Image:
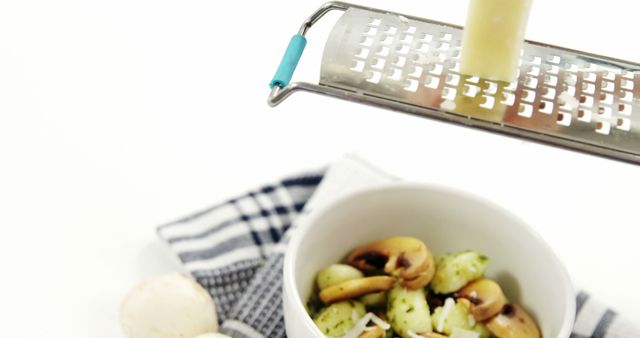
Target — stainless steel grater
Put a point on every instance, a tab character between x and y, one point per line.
562	97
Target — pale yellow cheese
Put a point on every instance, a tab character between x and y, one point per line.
493	38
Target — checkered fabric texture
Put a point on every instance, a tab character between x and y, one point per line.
236	251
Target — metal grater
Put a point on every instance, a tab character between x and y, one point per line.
562	97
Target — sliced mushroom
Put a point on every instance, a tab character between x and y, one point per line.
486	298
355	288
513	322
405	257
372	332
464	302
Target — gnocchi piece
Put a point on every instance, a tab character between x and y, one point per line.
374	300
337	319
453	271
454	315
337	273
408	311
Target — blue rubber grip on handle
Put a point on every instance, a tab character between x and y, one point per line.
289	61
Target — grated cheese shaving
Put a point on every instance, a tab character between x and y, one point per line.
354	315
448	105
568	99
381	323
361	325
448	305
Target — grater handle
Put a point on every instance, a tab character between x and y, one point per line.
292	55
289	61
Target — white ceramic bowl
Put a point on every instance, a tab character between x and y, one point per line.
446	220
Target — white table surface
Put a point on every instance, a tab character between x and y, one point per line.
117	116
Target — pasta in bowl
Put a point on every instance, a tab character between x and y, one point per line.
394	287
394	261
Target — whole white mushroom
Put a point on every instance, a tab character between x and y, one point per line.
169	306
213	335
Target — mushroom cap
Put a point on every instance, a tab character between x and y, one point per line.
513	322
355	288
485	297
169	306
404	257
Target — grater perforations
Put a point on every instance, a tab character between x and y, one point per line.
419	63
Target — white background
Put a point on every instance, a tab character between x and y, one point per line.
117	116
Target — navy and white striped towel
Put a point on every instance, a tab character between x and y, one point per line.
235	250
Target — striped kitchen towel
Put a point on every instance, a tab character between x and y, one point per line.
236	249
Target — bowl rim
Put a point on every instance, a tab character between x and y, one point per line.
290	290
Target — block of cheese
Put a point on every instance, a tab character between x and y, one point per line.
493	38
